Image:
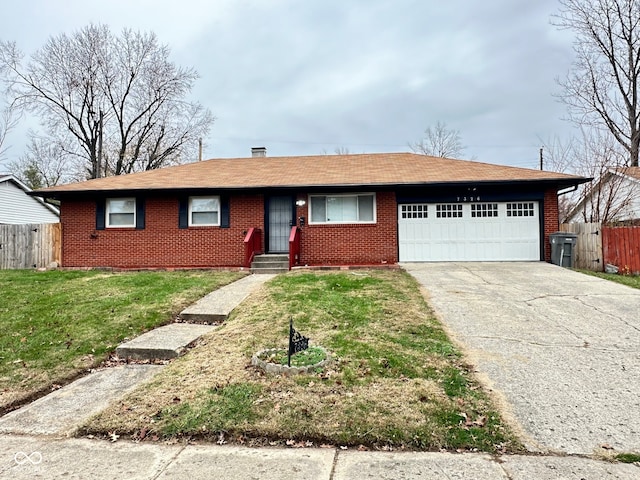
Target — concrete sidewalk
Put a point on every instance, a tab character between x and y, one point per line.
25	458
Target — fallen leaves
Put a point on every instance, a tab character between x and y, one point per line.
468	423
140	435
299	444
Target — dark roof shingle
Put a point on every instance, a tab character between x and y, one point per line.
378	169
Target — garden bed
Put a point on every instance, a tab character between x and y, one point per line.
275	361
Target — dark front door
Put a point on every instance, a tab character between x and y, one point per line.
279	222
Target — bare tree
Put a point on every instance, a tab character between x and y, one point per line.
440	141
342	150
116	102
46	163
559	154
594	154
601	89
7	122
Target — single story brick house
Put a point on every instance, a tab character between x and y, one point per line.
366	209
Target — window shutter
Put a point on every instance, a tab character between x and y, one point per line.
140	213
100	214
224	212
183	213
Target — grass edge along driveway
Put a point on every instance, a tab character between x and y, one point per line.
397	381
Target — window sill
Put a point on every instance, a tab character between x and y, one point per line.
340	224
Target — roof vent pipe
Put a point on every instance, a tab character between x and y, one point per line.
258	151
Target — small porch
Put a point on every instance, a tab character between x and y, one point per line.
260	262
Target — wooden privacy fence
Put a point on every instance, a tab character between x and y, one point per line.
588	245
621	247
30	245
597	246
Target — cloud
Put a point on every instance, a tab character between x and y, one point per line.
303	77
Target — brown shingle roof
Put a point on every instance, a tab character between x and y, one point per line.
633	172
383	169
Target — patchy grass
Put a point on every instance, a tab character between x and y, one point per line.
56	324
396	380
217	410
628	280
628	457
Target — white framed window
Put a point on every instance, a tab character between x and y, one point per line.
121	212
481	210
449	210
524	209
350	208
204	211
415	210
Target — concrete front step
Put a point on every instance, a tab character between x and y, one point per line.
271	271
270	263
271	257
284	264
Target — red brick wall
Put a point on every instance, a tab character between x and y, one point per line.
161	243
353	244
551	220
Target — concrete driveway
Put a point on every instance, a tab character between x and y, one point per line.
559	348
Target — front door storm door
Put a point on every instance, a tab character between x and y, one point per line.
279	222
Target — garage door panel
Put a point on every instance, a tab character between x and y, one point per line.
484	232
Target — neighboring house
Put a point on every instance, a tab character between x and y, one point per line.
614	197
16	207
348	209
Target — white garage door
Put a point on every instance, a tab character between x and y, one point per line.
492	231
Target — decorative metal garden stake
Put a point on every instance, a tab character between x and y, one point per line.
297	342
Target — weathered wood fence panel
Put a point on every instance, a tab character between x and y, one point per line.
621	247
30	245
588	245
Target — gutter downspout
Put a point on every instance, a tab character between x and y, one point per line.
567	190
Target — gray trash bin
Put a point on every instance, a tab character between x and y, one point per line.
563	248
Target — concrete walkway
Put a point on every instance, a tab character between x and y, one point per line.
217	306
170	341
561	348
25	458
64	410
163	343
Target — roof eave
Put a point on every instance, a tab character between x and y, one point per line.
559	183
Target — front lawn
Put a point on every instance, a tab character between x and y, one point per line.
57	324
396	381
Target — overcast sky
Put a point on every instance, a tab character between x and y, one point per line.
306	76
